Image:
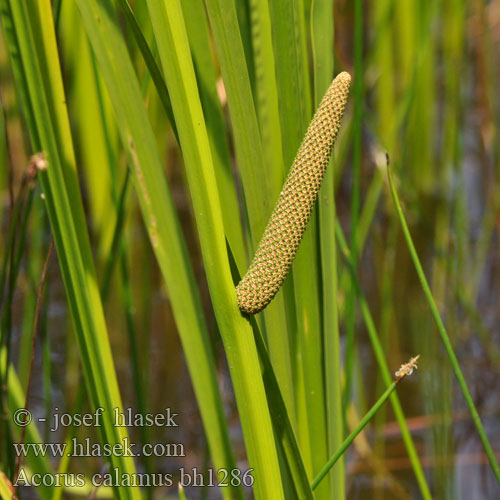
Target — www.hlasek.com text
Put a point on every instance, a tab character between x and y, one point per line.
86	448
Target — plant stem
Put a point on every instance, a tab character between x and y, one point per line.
443	333
349	439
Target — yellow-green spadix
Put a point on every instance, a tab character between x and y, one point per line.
284	231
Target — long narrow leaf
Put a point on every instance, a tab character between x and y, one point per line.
322	41
37	45
443	333
199	40
161	220
248	147
16	400
383	366
235	330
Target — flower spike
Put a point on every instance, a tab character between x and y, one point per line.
285	229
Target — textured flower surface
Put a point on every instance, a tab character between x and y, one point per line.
288	222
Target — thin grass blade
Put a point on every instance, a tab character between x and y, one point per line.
443	333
